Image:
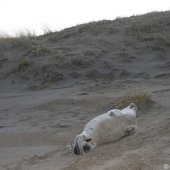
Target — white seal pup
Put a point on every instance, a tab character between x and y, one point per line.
105	128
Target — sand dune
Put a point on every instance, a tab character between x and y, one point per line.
52	85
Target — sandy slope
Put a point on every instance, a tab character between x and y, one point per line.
36	127
52	85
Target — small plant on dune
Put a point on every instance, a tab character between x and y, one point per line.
77	62
137	96
38	51
80	62
23	65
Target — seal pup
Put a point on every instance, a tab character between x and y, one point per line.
105	128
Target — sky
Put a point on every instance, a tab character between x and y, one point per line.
39	15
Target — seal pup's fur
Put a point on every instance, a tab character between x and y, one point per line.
106	128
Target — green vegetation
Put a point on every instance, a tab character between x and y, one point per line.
23	65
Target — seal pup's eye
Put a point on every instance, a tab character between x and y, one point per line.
131	107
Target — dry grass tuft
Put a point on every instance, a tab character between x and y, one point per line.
38	51
23	65
137	96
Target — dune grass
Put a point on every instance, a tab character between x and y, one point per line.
38	51
154	30
137	96
151	33
23	65
21	39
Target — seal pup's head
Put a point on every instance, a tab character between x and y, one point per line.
132	106
82	145
86	148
